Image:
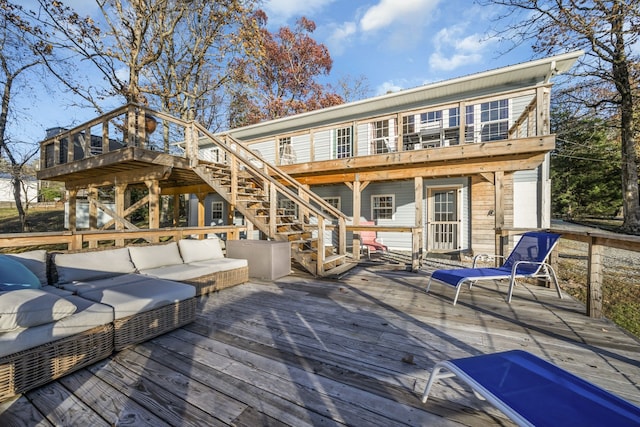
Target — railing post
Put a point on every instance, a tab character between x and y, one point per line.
342	236
594	279
415	248
233	165
273	209
320	248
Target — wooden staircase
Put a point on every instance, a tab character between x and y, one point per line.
277	205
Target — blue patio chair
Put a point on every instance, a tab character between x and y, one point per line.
527	260
534	392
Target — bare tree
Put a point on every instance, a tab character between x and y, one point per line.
21	51
607	31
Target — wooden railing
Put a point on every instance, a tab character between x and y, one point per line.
94	238
598	243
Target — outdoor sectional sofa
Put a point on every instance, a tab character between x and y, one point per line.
92	303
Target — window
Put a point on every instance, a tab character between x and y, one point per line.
494	116
380	140
431	117
382	207
408	124
287	207
287	155
333	201
217	212
454	121
344	145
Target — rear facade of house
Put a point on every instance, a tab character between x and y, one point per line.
461	159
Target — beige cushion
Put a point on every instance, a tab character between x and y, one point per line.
25	308
200	250
139	297
88	315
36	261
84	266
153	256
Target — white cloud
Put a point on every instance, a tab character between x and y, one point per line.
454	49
279	11
388	12
341	37
388	87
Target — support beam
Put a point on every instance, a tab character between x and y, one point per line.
357	206
417	240
154	203
73	206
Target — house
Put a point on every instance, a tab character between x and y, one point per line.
462	159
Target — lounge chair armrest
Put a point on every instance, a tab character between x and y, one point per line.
517	264
485	257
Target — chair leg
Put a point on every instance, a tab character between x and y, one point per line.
552	273
435	375
512	284
428	285
455	299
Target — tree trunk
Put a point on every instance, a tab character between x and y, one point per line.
621	76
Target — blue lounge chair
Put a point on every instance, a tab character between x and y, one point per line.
527	260
534	392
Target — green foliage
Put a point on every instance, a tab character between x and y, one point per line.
585	168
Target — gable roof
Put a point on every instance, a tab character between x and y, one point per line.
526	74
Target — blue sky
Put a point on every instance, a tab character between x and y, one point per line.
395	44
398	44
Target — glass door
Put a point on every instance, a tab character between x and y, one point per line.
444	220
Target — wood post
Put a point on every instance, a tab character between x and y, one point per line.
594	279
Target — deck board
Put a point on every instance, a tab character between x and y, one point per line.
302	351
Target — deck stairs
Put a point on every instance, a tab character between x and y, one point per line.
276	204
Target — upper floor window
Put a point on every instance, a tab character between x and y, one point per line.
454	121
408	124
380	140
285	149
494	116
344	143
431	117
382	206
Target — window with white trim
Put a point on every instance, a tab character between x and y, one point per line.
288	207
287	154
382	206
380	137
333	201
217	212
494	117
344	143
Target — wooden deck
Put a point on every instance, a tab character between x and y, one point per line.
357	351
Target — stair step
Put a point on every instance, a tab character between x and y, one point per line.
336	272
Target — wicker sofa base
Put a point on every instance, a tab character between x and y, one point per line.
25	370
219	280
143	326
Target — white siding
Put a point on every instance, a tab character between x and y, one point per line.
323	147
525	199
266	150
301	145
363	139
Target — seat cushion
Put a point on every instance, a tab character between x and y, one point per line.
88	315
108	282
200	250
36	261
179	272
223	264
92	265
25	308
153	256
14	275
133	298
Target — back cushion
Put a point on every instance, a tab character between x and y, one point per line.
153	256
200	250
84	266
36	261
